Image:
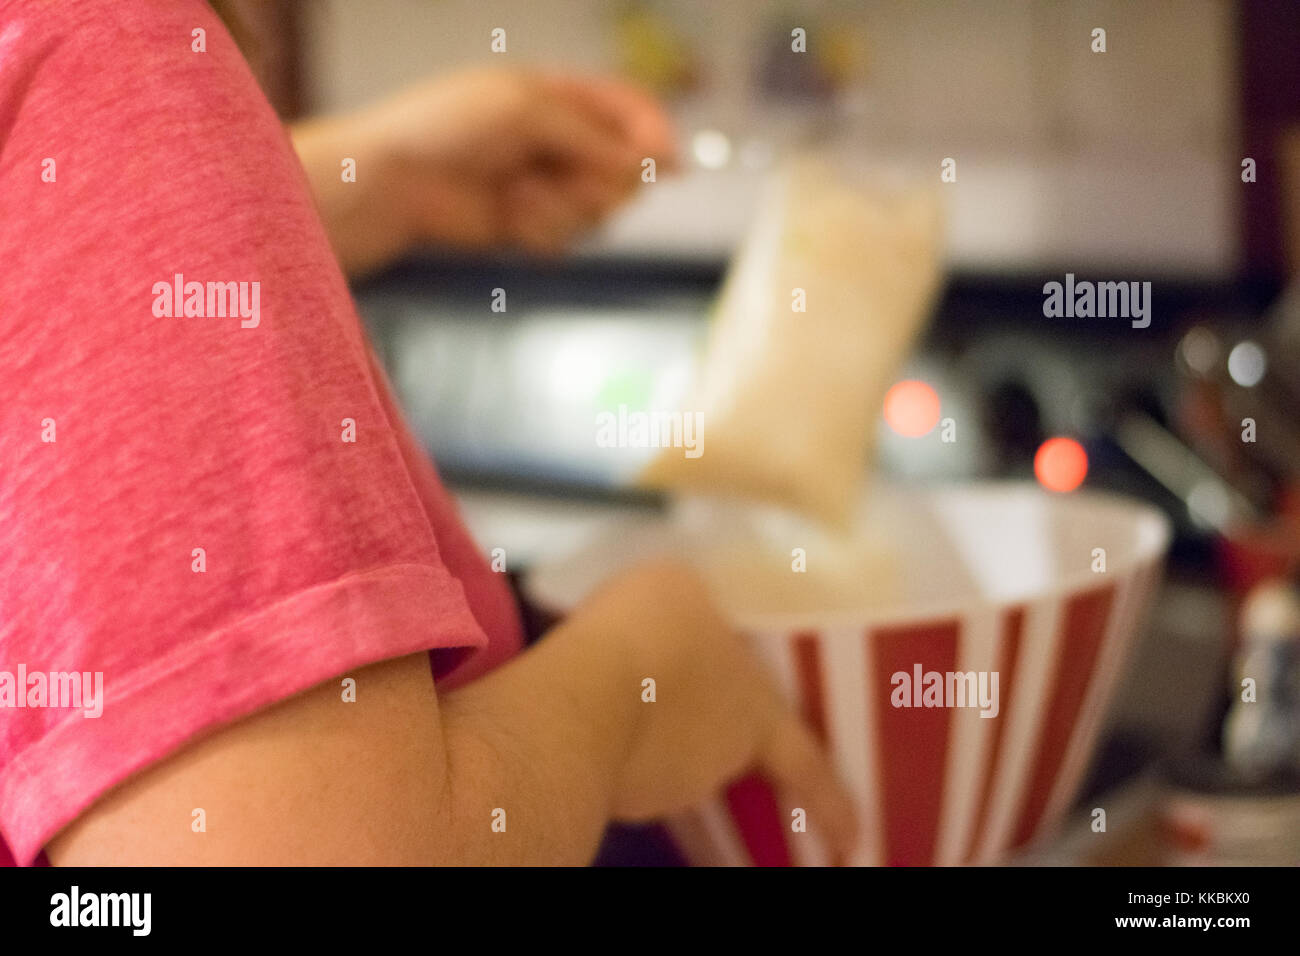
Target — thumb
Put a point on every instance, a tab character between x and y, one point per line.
793	759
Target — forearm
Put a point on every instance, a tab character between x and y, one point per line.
398	777
543	740
548	747
361	210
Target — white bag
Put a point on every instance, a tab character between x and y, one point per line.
789	400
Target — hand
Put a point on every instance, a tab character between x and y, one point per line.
483	159
717	714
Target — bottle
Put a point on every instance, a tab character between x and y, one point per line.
1261	735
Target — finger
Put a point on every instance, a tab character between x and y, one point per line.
572	138
635	113
592	195
794	761
540	219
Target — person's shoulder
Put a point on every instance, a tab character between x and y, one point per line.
136	145
93	20
112	50
131	95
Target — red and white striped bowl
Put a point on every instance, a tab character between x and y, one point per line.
993	578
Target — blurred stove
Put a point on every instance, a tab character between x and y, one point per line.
503	367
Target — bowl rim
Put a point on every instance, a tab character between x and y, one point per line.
1154	532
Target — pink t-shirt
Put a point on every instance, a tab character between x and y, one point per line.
207	494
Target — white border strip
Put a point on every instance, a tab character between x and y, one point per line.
1131	592
1039	643
970	740
849	689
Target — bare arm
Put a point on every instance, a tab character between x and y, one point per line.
558	738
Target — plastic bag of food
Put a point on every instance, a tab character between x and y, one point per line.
817	313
